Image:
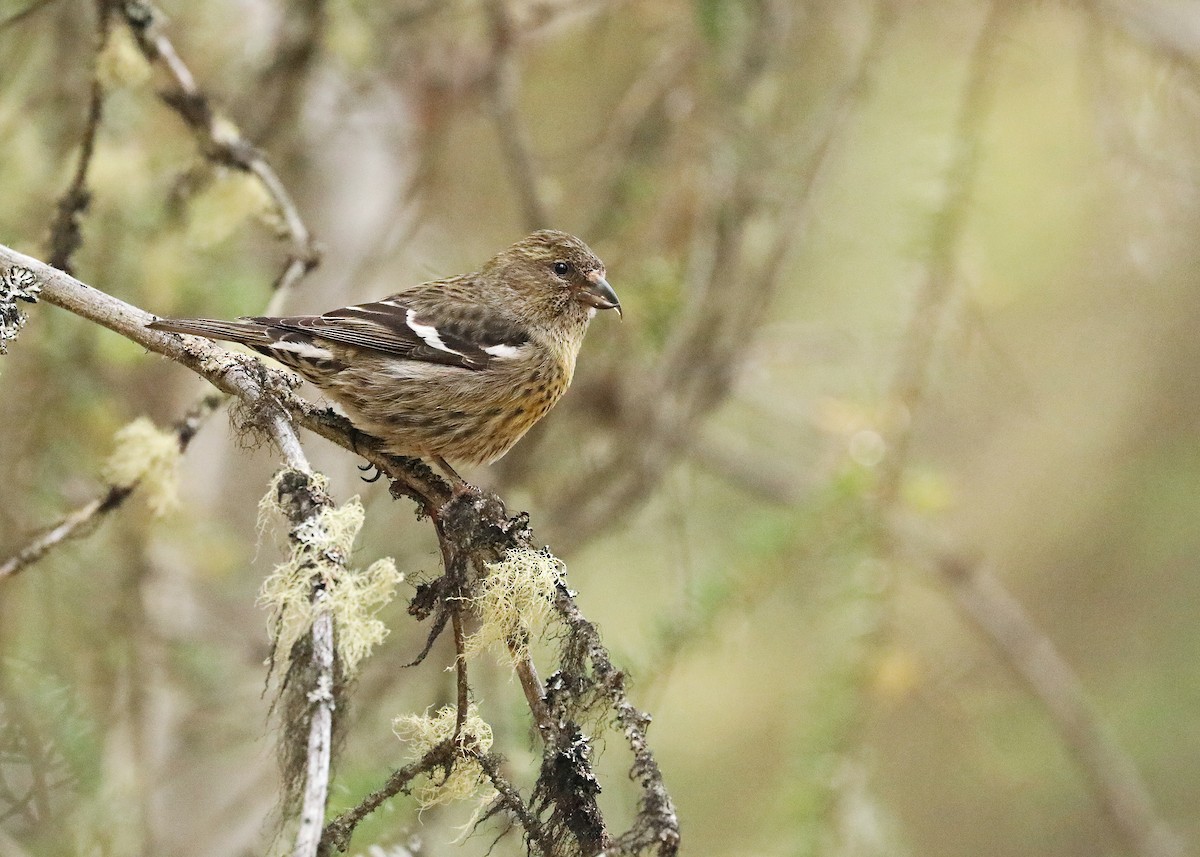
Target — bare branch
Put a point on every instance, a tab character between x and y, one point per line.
503	84
65	237
978	593
219	139
1032	655
708	344
338	832
937	291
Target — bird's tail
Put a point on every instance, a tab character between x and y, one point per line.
246	332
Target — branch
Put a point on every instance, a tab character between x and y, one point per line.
503	82
81	521
219	138
656	825
245	378
338	832
731	281
65	237
266	392
941	276
1032	655
978	593
475	523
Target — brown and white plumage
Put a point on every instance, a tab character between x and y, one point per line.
456	369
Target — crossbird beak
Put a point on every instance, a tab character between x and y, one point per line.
599	294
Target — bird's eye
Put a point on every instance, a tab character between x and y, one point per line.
562	268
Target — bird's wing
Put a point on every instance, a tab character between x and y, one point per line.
418	326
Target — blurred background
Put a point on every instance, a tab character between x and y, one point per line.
932	262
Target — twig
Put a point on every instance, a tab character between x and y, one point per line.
657	825
65	236
219	139
65	239
274	99
338	832
1032	655
698	366
978	593
17	17
535	693
938	289
503	83
462	685
80	522
625	140
510	798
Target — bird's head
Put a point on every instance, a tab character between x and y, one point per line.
553	272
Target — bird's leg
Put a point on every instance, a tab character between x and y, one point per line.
368	466
458	485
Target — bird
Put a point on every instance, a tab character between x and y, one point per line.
453	370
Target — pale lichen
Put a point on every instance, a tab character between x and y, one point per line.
321	546
515	603
466	779
148	457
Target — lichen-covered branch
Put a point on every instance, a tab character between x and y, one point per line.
475	523
269	396
81	521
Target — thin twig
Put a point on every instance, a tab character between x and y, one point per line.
17	17
79	522
219	139
338	832
937	291
535	693
65	237
503	84
981	596
1032	655
700	360
510	798
462	685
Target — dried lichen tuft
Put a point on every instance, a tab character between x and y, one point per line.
321	549
466	779
515	603
148	457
